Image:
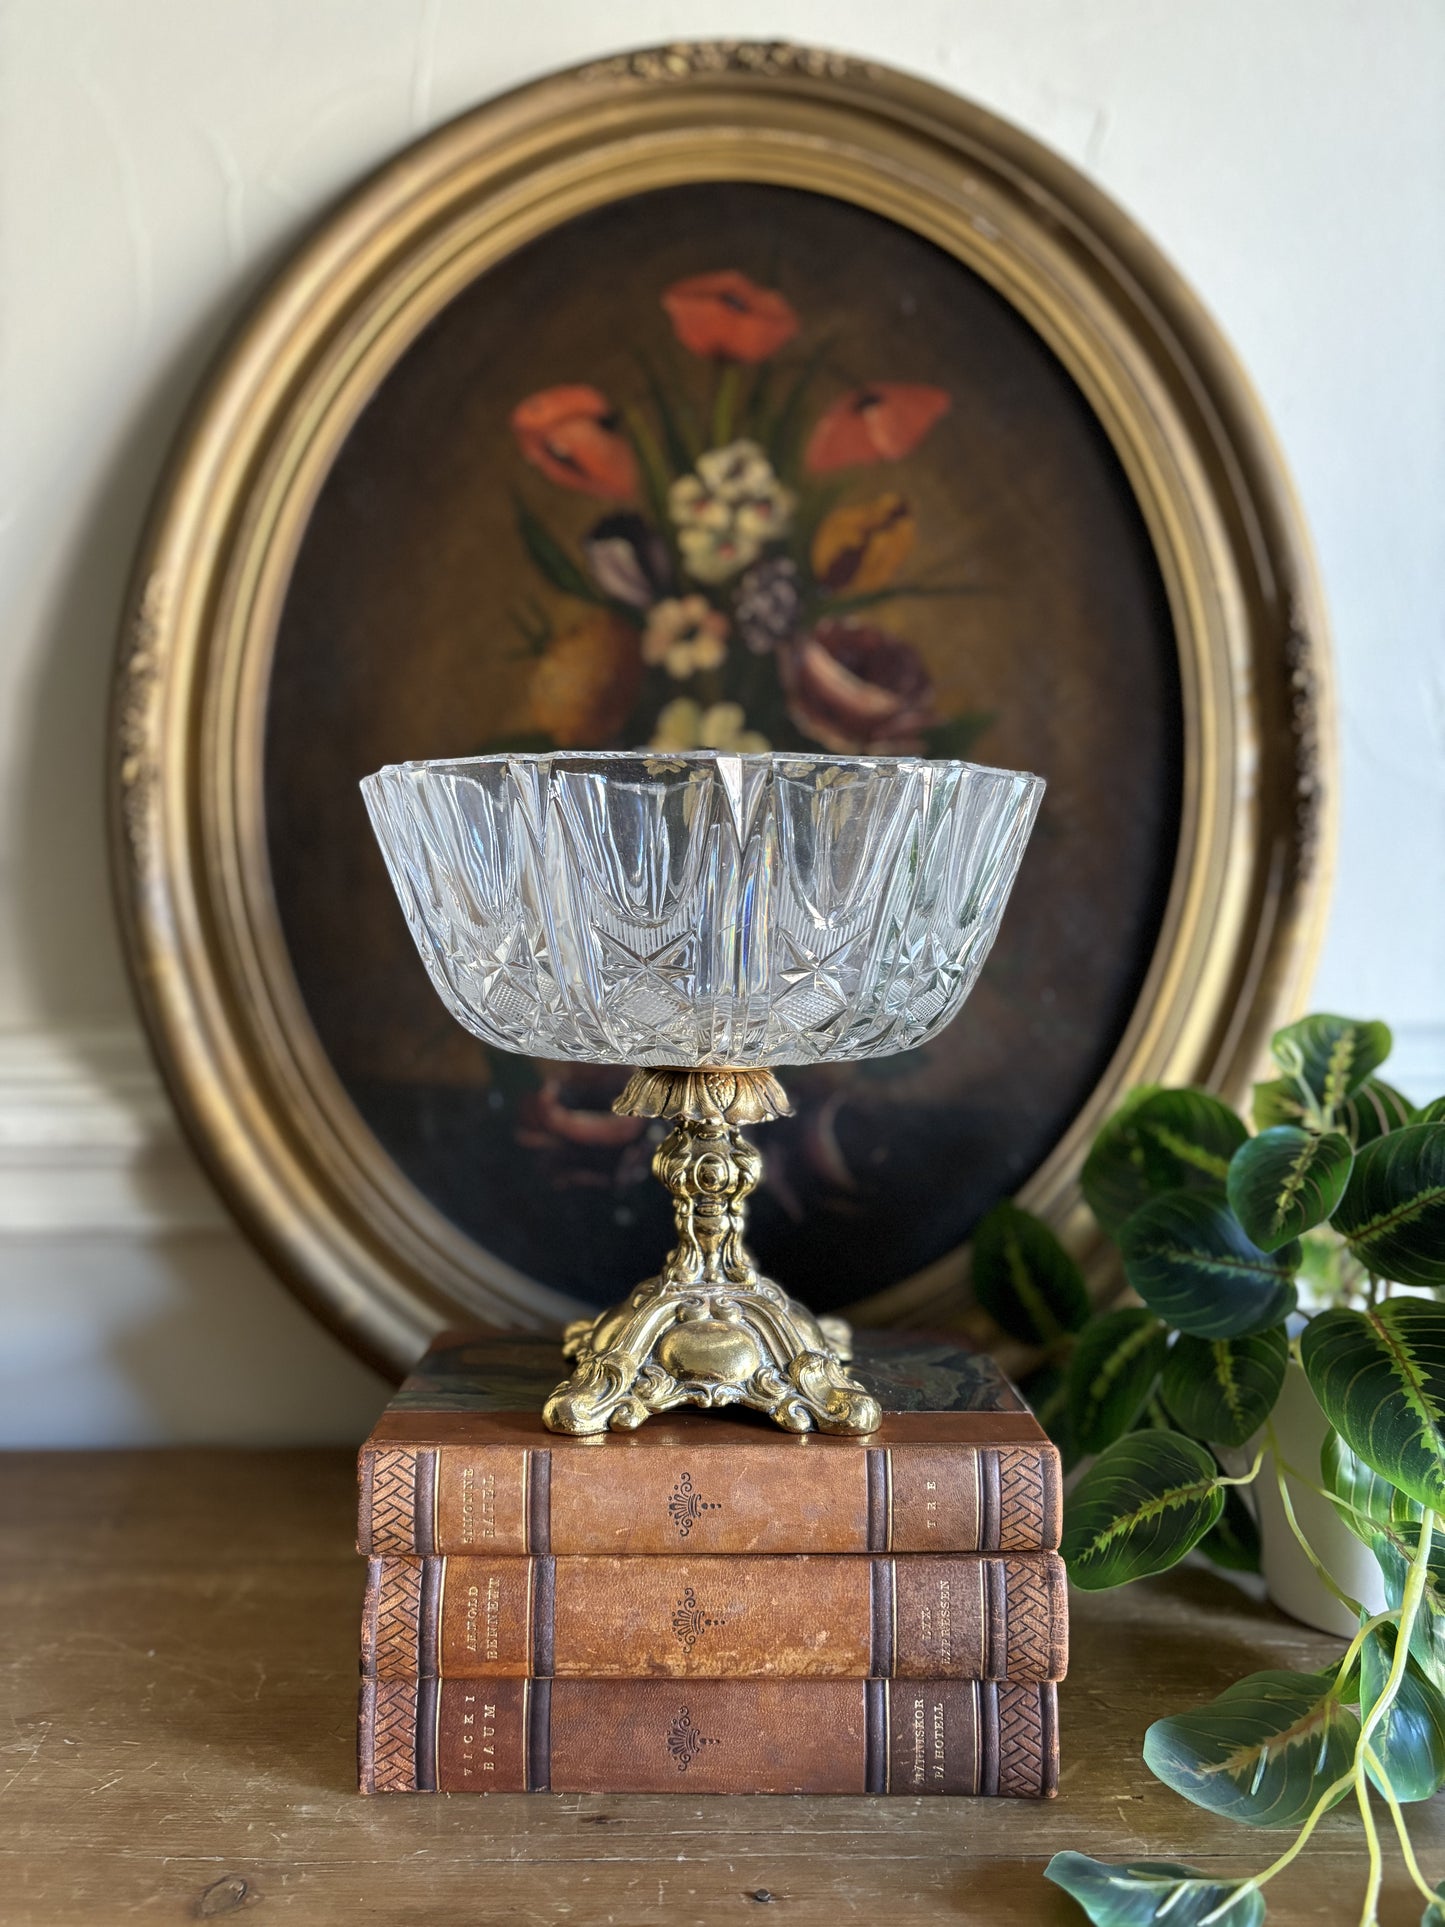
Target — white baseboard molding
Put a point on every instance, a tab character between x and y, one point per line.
89	1144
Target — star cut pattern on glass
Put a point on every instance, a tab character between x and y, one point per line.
702	909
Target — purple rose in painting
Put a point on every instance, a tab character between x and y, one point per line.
852	687
628	560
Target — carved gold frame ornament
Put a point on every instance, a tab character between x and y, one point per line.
317	1192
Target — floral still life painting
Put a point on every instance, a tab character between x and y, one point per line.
751	533
725	465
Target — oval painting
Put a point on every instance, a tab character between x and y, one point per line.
737	466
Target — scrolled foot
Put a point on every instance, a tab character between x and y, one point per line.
587	1402
814	1389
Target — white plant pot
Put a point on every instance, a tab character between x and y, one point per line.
1289	1578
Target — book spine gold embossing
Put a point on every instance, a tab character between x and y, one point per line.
961	1616
710	1736
510	1499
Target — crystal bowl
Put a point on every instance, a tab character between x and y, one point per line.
702	909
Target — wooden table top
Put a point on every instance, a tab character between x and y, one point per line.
178	1658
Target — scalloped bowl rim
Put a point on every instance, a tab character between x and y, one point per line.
822	760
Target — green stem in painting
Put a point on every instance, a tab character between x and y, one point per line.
724	403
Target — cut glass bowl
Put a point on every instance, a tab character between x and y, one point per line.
702	908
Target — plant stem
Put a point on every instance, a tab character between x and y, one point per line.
1325	1577
1352	1650
1322	1492
1370	1912
1412	1865
1249	1477
1296	1846
1409	1609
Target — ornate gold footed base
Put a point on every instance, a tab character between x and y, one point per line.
708	1330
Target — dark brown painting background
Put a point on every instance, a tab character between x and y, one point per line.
397	642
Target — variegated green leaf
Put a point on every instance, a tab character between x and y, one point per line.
1365	1501
1262	1752
1187	1256
1145	1501
1392	1215
1395	1548
1379	1375
1140	1893
1375	1110
1331	1056
1409	1742
1432	1113
1114	1368
1388	1521
1025	1280
1159	1141
1223	1389
1278	1102
1286	1181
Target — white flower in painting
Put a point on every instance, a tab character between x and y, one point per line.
693	505
737	472
728	511
712	555
684	724
685	634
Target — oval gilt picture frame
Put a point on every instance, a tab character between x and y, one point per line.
1034	506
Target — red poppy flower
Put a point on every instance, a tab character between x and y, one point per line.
726	314
567	432
879	423
852	687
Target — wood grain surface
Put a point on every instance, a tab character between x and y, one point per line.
177	1716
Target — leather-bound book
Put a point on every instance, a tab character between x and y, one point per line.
460	1463
708	1736
959	1616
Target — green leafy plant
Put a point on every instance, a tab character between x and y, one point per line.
1339	1192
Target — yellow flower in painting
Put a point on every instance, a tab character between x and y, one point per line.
584	687
684	724
862	546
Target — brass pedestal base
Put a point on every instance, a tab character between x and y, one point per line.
708	1330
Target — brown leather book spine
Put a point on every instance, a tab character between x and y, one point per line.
965	1616
909	1497
709	1736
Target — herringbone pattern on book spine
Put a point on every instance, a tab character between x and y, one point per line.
1036	1641
1027	1745
389	1499
388	1736
1027	1502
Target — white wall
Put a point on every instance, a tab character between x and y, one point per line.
157	157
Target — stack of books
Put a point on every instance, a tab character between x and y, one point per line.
710	1605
